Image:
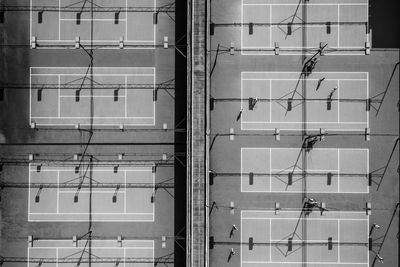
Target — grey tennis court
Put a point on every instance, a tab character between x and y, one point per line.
69	200
330	239
52	28
61	96
76	250
340	24
328	170
334	100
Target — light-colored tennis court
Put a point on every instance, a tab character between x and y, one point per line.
64	250
340	24
334	100
328	170
63	96
51	27
70	202
332	239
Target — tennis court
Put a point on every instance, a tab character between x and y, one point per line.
334	100
64	250
328	170
72	198
52	28
340	24
331	239
120	96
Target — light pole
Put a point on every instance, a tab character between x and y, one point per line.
374	226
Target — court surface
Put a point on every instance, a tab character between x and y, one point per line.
120	96
108	204
341	24
346	109
328	170
65	250
135	28
270	233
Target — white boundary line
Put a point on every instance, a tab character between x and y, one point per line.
338	19
308	219
241	170
154	103
270	235
270	29
367	98
338	103
297	212
241	97
153	249
241	28
126	95
367	233
338	173
30	19
59	20
126	22
59	95
30	92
